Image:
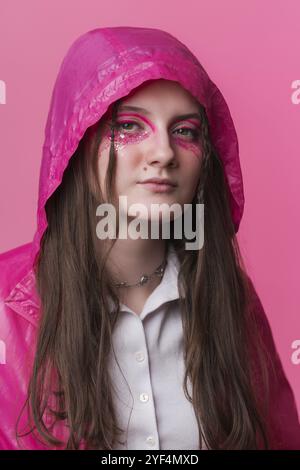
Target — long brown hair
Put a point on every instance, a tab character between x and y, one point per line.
224	354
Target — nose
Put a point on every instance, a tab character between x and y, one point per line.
161	152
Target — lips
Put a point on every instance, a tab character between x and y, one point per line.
160	181
158	187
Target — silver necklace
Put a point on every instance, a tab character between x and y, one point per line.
145	277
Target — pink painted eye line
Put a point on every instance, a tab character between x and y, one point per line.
192	121
140	117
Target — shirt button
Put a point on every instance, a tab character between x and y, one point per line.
144	397
139	356
150	440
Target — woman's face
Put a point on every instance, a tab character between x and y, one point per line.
154	140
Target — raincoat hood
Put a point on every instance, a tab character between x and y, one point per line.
106	64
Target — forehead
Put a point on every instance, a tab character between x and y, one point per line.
154	95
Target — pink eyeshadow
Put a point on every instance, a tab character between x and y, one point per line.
138	116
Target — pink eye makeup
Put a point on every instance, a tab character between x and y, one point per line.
139	116
189	138
128	131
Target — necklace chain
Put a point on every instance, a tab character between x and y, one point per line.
159	271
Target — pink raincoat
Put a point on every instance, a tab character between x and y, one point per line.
100	67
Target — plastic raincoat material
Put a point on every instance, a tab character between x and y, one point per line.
101	66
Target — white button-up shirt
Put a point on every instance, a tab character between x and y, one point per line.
149	350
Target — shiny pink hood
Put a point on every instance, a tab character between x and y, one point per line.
104	65
100	67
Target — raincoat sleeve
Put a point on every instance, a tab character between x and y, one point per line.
283	418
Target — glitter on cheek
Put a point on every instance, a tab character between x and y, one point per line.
122	138
125	138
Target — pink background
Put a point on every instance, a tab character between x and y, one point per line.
250	49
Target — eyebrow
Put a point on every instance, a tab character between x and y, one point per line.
145	111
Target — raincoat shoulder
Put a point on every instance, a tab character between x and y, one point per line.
17	340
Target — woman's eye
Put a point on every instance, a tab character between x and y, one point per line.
126	125
194	133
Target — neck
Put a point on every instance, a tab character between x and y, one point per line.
130	259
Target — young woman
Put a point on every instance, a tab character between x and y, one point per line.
137	343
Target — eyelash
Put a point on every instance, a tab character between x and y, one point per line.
194	132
